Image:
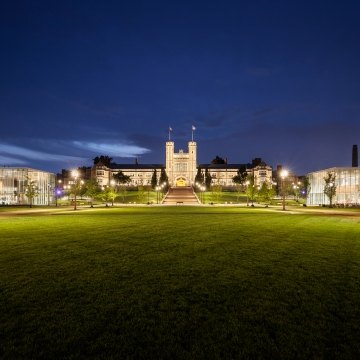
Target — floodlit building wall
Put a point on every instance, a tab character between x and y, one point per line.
262	174
224	175
181	168
138	177
347	184
181	165
13	186
139	174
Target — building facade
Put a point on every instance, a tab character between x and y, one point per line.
140	174
223	174
347	182
13	186
181	169
181	166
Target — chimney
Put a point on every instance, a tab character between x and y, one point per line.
355	156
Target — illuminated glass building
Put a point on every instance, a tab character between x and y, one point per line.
13	186
347	184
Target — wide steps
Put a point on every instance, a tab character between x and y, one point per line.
180	195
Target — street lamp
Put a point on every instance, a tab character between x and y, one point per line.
202	189
58	192
283	174
48	194
163	188
75	175
295	187
157	193
247	183
112	183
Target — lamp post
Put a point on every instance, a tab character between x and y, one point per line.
284	173
48	194
57	192
157	188
202	190
163	186
247	193
295	187
75	175
112	183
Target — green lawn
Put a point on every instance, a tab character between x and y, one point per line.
180	282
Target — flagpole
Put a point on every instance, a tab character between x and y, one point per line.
192	132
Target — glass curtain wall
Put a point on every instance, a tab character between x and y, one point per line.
347	184
13	186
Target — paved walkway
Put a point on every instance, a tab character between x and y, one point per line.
181	196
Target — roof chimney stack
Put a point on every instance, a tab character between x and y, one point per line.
355	156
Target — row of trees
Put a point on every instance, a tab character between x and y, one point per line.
118	188
245	184
163	179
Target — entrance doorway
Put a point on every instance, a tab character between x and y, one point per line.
181	181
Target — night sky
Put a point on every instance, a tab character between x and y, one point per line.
273	79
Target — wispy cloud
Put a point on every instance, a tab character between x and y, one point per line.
25	153
6	160
118	150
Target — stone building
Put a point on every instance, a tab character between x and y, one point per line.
140	174
181	169
181	166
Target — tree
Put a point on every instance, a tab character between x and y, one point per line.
31	190
208	179
266	192
330	187
122	180
251	189
218	160
109	194
199	178
154	179
296	190
76	189
163	177
240	180
92	190
307	186
104	159
241	176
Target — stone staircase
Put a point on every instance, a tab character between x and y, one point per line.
181	196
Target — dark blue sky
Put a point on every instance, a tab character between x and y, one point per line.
273	79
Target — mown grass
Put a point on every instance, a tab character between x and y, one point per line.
180	282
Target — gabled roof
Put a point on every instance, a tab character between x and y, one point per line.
136	166
223	166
